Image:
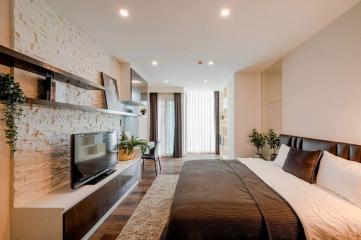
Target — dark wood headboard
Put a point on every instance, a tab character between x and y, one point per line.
345	150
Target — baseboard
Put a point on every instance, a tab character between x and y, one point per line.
97	225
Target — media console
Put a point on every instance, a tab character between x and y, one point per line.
75	214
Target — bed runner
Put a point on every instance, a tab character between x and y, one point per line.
224	199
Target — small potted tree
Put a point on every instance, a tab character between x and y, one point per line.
273	141
127	144
258	140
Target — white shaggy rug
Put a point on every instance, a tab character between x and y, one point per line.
151	215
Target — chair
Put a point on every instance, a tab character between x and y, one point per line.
153	155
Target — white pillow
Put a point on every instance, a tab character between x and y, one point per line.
281	156
340	176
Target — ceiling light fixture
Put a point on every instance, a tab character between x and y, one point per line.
205	81
124	13
154	63
165	81
225	12
210	63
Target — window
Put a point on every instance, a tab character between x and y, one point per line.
166	123
199	122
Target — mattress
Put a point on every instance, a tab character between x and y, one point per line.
323	214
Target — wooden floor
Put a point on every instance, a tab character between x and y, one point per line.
114	224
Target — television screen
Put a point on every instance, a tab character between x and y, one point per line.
92	154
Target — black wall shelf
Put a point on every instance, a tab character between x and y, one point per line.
11	58
76	107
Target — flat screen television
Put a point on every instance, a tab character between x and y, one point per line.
92	155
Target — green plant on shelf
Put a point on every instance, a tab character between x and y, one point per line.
143	111
12	97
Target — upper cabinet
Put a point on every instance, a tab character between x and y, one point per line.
124	83
132	87
139	88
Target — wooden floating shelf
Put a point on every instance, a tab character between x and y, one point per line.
11	58
76	107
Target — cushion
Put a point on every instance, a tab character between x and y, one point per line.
281	156
302	164
340	176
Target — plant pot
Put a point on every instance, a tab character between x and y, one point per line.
124	156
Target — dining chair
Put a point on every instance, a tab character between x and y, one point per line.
153	155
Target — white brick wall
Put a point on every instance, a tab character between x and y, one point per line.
42	159
39	31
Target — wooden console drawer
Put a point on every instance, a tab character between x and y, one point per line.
79	219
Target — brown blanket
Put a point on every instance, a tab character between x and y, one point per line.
216	199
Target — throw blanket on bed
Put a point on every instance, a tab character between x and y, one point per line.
216	199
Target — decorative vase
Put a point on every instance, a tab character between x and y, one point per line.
124	156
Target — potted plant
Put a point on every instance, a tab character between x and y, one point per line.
143	111
273	141
127	144
258	140
13	98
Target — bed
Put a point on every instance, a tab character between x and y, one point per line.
254	199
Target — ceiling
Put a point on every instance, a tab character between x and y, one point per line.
179	33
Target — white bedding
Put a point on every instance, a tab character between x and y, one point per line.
324	215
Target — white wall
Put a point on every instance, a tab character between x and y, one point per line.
244	109
322	83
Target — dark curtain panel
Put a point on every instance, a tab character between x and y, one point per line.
178	151
153	136
216	119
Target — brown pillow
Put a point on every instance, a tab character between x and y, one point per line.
302	164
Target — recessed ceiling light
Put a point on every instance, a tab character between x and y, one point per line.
225	12
124	13
205	81
210	63
154	63
165	81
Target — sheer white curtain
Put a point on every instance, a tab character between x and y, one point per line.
166	123
199	125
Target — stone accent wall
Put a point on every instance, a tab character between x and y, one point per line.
43	157
40	32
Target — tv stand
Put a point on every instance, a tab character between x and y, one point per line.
101	177
75	213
